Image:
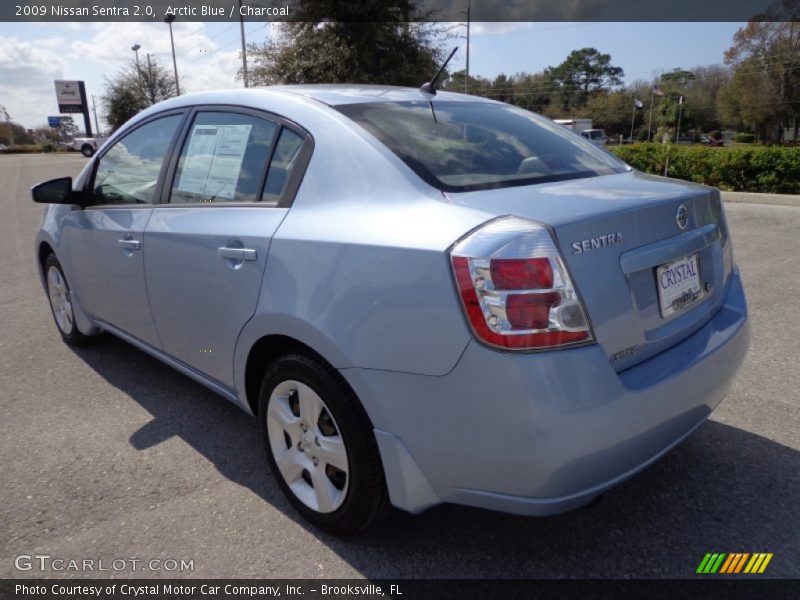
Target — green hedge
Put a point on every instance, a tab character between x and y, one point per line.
766	169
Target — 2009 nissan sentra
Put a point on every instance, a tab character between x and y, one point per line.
424	297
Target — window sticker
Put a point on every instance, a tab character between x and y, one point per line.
214	160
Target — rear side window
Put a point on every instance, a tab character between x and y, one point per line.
128	172
224	159
462	146
283	161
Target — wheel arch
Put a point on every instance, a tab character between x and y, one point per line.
263	353
44	250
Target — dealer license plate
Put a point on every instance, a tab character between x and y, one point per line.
678	284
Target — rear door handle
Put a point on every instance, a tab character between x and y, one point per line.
237	253
129	244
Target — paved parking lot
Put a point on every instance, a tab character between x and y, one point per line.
106	453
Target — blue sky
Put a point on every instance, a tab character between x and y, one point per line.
32	55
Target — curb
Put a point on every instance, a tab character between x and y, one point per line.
751	198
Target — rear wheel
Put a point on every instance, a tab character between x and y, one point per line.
320	445
58	293
87	150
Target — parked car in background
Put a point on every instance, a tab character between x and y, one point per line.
3	147
423	297
710	141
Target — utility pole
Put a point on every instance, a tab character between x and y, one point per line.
94	110
633	118
650	121
244	47
680	112
168	20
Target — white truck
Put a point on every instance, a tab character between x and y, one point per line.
87	145
584	128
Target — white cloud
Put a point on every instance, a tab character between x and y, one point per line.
203	63
499	28
27	72
208	58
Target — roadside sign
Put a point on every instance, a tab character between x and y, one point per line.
69	97
54	121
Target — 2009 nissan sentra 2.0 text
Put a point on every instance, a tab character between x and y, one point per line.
424	297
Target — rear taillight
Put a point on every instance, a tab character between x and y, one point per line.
515	289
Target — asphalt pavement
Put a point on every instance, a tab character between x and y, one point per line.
105	453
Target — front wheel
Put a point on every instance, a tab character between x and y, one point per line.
58	293
87	150
320	445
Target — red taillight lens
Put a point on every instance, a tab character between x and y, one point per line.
531	311
496	287
521	273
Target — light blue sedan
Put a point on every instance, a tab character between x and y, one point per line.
423	297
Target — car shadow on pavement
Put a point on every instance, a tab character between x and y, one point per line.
722	490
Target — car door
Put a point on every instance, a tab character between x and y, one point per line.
106	237
206	245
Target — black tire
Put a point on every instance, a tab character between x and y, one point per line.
71	335
366	499
87	150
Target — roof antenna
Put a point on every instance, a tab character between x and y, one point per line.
430	86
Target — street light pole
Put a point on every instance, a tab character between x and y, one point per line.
466	79
244	47
168	20
136	48
151	86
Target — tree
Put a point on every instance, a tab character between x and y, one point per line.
702	96
613	112
134	88
477	86
12	133
67	128
533	91
749	101
766	55
584	71
338	42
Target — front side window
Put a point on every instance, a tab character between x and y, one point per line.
462	146
224	159
128	172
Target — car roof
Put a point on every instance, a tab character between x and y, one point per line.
334	94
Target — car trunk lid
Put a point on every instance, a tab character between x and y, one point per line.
614	233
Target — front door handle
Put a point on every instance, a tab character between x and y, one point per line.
129	244
237	253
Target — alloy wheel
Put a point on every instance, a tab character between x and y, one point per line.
307	446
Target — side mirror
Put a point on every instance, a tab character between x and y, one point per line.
55	191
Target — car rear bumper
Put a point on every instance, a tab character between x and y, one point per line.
539	434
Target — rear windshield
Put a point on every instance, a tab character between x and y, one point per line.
462	146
